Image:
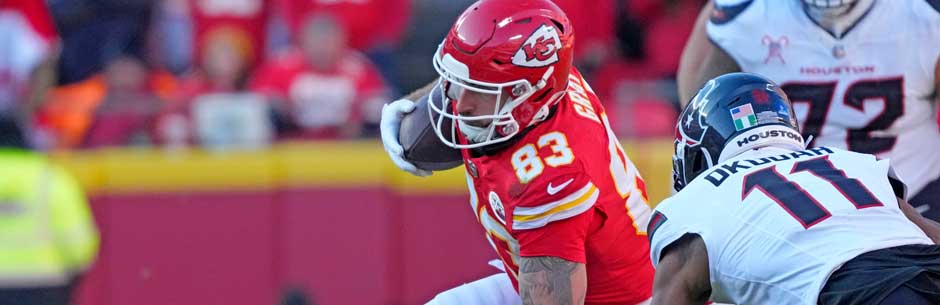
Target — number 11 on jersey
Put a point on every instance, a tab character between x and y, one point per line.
797	201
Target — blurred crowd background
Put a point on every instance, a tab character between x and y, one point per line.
225	74
136	98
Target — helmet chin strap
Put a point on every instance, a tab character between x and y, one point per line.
838	20
474	134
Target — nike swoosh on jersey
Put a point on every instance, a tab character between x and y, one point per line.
552	190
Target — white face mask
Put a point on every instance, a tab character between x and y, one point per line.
454	79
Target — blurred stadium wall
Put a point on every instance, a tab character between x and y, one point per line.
334	218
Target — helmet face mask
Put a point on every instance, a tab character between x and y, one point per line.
688	162
501	126
487	53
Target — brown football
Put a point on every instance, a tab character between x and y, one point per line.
422	146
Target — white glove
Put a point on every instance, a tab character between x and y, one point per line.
391	122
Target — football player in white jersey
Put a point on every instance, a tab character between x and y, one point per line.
862	74
759	219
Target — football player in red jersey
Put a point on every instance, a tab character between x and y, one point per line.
562	205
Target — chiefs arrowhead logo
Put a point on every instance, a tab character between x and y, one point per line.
540	49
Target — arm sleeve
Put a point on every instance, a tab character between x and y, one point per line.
73	225
563	239
555	216
560	198
662	232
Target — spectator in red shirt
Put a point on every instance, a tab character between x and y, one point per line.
184	28
245	18
324	89
368	23
126	115
374	27
217	85
224	68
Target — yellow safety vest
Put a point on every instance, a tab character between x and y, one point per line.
46	229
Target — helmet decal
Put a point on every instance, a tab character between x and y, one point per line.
691	127
731	114
540	49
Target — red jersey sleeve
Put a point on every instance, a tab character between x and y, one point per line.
554	214
564	239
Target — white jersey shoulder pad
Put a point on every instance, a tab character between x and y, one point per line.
662	232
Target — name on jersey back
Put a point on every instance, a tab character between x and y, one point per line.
723	172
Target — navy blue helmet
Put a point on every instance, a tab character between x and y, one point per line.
731	114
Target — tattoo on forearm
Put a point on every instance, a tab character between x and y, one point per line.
548	281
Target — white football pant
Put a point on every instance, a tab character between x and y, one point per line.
492	290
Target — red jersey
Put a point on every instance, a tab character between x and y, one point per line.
367	22
323	103
566	189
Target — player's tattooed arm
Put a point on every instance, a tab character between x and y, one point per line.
682	273
930	227
546	280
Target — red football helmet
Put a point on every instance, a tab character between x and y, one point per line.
518	51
